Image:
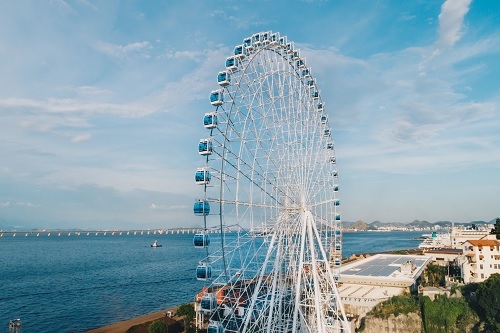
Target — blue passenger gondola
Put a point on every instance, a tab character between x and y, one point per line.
336	202
338	247
216	97
210	120
337	217
335	187
336	262
300	63
338	232
274	38
289	48
324	119
329	146
315	94
327	133
282	41
205	147
333	160
247	43
202	176
320	107
201	240
201	208
256	40
306	73
203	272
240	51
215	328
232	63
264	37
335	173
310	83
223	79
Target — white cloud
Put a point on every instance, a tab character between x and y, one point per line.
81	138
122	51
451	19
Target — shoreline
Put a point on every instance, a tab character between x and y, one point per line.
125	325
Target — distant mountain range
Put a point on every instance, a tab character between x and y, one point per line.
361	225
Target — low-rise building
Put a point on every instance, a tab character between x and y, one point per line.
482	259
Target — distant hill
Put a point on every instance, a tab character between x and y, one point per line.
360	225
420	224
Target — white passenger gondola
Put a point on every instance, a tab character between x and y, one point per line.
338	232
240	51
203	272
216	97
329	146
338	247
336	262
335	187
205	147
306	73
337	217
336	202
224	78
315	94
335	173
202	176
208	303
300	64
324	119
310	83
295	55
327	133
320	107
210	120
201	240
232	63
201	208
333	160
289	48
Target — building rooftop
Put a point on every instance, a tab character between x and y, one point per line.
385	270
483	242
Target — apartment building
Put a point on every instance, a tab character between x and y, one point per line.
482	258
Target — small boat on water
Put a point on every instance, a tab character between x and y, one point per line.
155	244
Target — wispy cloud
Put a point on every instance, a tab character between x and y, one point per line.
451	19
122	51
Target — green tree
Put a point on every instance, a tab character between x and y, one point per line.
187	310
158	326
496	229
488	300
447	315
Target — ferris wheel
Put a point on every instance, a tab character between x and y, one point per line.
271	241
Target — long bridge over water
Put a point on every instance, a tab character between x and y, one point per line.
133	232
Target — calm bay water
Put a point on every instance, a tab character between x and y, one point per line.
76	283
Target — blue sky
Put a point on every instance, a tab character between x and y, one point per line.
101	105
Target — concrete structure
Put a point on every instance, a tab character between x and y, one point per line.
461	235
445	257
482	259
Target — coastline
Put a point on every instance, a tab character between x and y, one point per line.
124	326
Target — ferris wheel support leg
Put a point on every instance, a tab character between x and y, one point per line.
276	276
259	283
317	283
299	278
346	327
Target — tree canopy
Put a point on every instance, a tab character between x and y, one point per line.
158	326
488	299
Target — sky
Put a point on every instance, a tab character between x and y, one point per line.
101	105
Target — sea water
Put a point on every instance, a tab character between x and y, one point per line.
76	283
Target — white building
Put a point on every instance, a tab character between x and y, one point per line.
482	259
